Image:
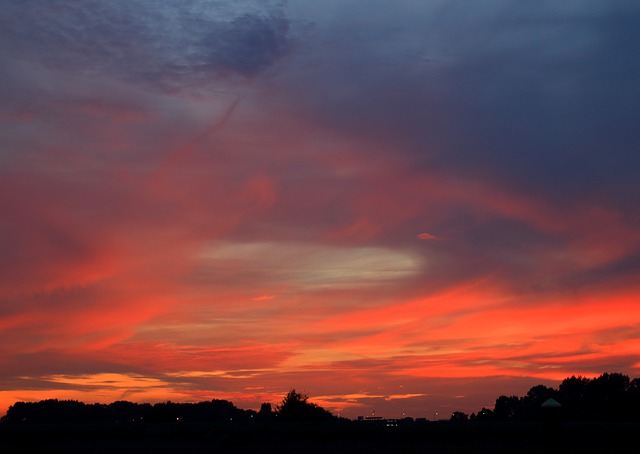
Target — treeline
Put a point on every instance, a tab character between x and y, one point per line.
609	397
72	411
294	407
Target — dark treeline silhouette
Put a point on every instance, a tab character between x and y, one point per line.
610	397
71	411
515	424
294	407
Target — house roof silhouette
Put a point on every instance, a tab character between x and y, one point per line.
551	403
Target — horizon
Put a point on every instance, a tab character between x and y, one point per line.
607	383
404	207
435	415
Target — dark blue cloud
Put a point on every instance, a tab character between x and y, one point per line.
172	45
540	95
247	45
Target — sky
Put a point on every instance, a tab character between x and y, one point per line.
408	208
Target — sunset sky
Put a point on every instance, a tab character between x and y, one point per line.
411	207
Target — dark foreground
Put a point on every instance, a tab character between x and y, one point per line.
347	437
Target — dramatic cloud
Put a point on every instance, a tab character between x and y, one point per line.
170	45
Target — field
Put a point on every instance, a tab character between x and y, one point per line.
350	437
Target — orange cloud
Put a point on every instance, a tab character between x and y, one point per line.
263	298
135	247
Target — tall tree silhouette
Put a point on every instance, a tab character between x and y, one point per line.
295	407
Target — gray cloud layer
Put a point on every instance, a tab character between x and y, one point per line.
543	92
171	44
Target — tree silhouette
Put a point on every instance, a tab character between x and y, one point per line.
485	415
295	407
266	412
508	408
459	416
572	393
609	397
